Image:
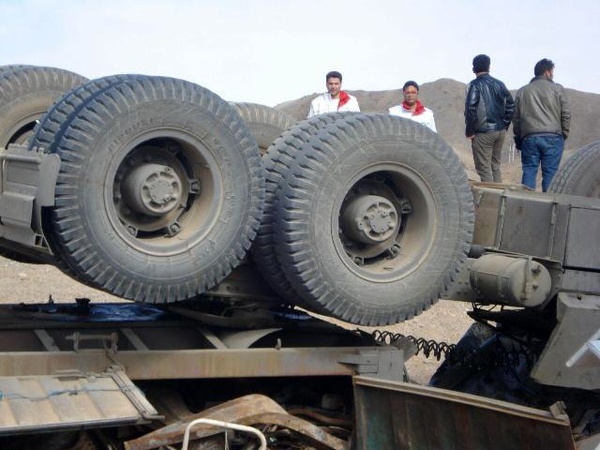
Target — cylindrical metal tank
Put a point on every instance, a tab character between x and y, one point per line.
510	280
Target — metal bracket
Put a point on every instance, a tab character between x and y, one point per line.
385	363
27	183
112	339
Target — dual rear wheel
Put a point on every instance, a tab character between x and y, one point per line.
370	216
161	191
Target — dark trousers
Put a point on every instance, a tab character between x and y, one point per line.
543	150
487	155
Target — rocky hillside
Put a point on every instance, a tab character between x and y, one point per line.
446	98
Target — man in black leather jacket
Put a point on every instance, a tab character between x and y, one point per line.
489	109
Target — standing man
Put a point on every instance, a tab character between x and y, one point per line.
412	108
334	99
541	125
489	108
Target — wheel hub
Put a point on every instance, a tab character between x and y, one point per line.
153	189
370	219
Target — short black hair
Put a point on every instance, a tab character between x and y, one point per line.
481	63
410	83
333	74
542	66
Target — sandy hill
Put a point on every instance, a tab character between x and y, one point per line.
446	98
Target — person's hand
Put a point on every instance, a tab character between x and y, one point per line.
471	137
518	143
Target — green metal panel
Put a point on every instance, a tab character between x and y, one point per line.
403	416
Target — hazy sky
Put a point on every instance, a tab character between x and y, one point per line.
271	51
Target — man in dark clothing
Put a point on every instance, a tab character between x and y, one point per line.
541	125
489	108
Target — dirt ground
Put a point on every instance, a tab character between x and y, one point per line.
34	283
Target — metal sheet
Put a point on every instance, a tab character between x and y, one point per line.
488	214
556	227
583	253
51	402
529	226
396	415
580	281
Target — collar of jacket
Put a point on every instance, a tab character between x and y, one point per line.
541	77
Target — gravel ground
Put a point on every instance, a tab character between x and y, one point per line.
33	283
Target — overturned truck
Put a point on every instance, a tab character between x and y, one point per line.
158	191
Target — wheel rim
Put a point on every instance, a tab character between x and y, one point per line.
384	224
21	131
163	193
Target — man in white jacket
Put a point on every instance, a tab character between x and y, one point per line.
412	108
334	99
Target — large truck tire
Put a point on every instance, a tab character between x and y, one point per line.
11	67
276	161
26	92
265	123
50	129
374	219
52	125
580	174
159	193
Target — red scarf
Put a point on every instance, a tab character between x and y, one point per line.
419	108
344	98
